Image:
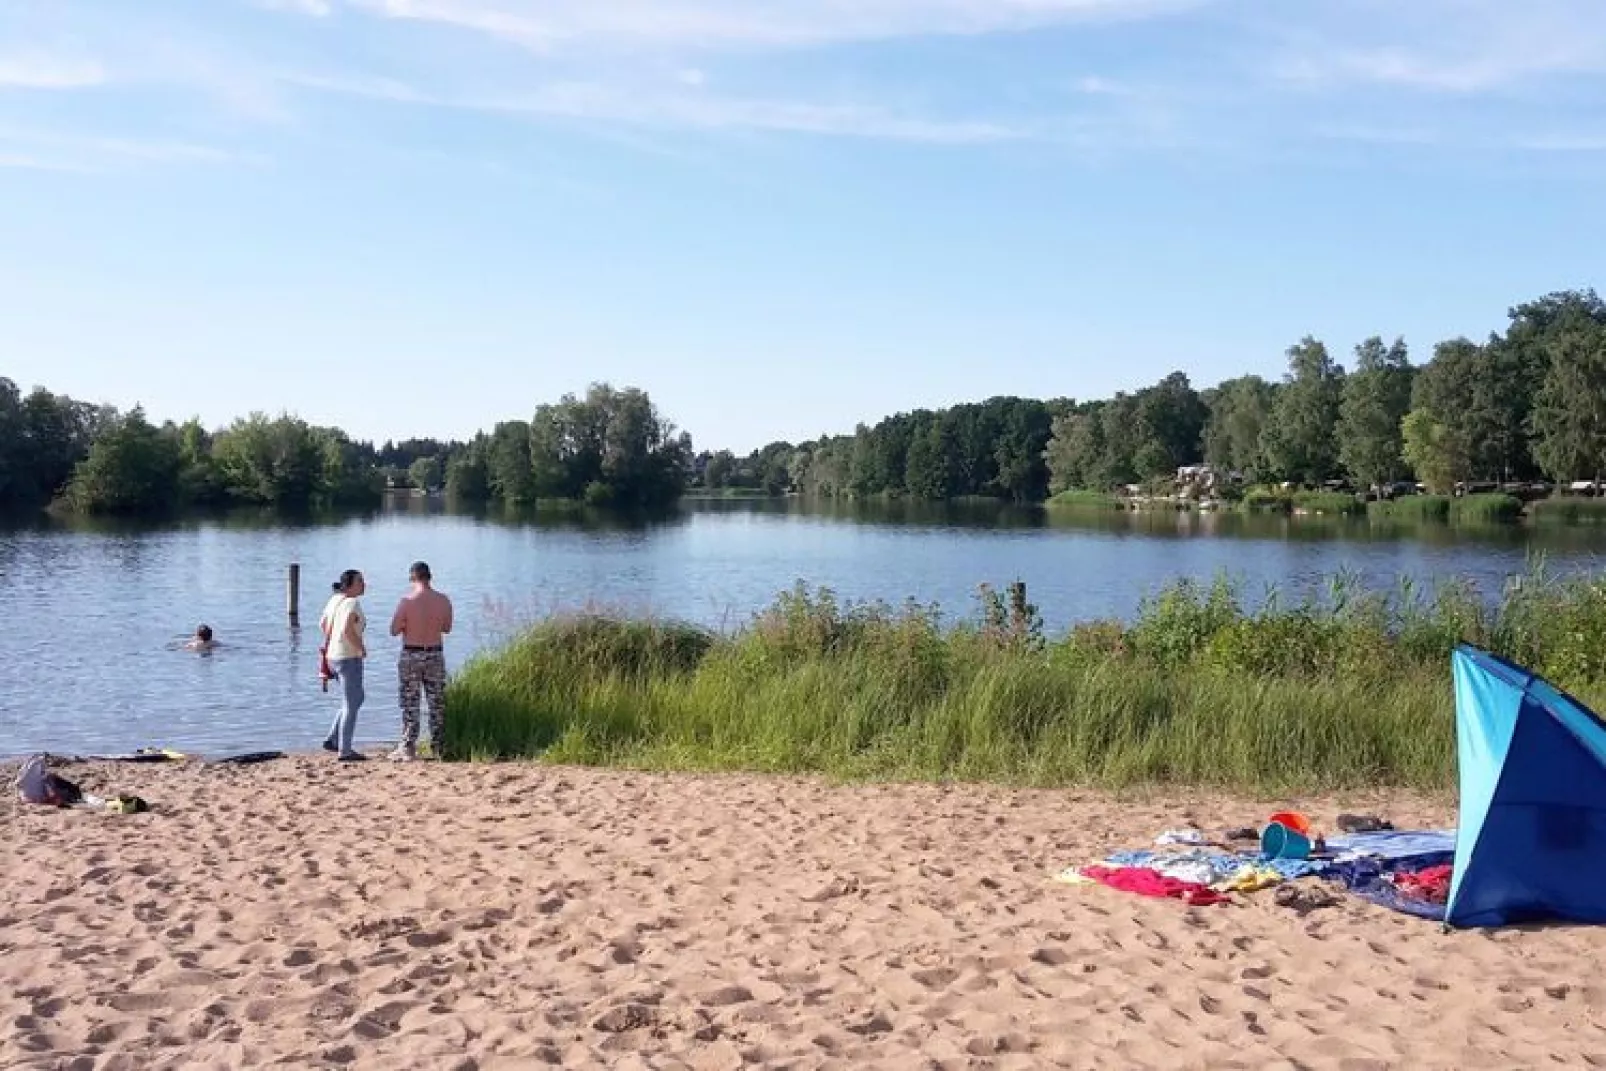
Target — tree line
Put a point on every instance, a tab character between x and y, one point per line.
1526	403
609	448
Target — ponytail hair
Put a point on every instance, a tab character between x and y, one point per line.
347	579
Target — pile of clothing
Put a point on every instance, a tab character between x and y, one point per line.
1406	871
36	783
1409	872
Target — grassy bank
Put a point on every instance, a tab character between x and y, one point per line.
1347	690
1329	504
1087	500
1569	510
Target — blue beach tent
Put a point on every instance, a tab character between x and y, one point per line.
1531	842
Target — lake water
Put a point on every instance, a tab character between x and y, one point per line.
90	662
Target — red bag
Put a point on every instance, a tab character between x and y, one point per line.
326	672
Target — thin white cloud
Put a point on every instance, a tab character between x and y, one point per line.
1447	46
318	9
596	102
1095	86
727	23
39	70
54	150
1565	143
26	162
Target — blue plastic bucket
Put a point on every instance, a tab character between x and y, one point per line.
1277	841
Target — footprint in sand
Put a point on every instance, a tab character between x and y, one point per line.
936	977
726	997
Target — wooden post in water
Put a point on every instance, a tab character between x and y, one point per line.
292	593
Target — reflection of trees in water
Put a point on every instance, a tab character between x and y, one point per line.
964	515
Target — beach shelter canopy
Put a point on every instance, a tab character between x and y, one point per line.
1532	833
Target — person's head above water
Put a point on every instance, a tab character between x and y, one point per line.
419	574
204	633
350	583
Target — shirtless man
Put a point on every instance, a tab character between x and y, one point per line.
422	620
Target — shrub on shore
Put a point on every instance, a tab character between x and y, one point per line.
1345	689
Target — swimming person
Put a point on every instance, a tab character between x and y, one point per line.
423	619
202	640
343	624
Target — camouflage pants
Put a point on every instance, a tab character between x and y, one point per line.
423	676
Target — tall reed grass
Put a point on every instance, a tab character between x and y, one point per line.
1467	509
1342	689
1412	508
1569	510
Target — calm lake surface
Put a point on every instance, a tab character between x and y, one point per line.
90	661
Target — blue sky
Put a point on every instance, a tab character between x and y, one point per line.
780	217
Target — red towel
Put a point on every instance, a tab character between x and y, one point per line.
1147	882
1431	883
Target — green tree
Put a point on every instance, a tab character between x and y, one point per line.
1301	441
347	473
1240	409
427	473
1076	450
719	471
1569	416
1170	421
56	435
16	481
1376	398
278	462
1116	465
1435	451
1506	395
200	478
824	469
770	468
468	477
881	454
508	467
1468	391
131	468
933	463
610	448
1019	451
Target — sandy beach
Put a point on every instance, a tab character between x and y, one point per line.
303	914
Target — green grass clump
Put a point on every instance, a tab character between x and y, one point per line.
1329	503
1411	508
1266	500
1342	689
1087	500
1569	510
1486	509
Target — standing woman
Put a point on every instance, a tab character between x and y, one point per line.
343	623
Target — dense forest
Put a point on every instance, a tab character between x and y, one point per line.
1526	403
609	448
